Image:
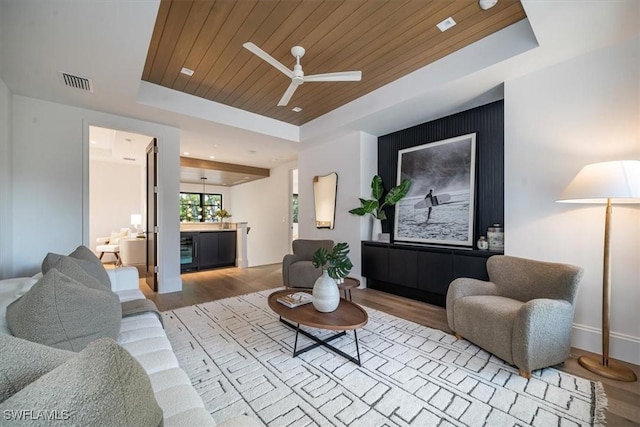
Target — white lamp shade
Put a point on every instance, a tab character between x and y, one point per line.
595	183
136	219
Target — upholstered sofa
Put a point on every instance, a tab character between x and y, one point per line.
144	338
297	269
133	253
523	315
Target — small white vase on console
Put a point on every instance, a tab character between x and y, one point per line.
376	229
326	295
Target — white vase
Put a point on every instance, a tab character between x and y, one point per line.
376	229
326	296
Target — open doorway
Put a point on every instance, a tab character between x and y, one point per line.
117	196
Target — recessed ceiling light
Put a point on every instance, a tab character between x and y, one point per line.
487	4
296	109
252	151
212	157
446	24
186	153
187	71
128	139
94	142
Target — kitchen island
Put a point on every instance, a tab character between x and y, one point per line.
210	245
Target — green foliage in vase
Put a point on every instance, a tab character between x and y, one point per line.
375	206
222	214
336	262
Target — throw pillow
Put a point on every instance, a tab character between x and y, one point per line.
93	264
102	386
114	239
23	362
86	259
71	267
117	236
61	312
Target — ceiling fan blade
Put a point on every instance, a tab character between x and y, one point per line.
268	58
288	94
343	76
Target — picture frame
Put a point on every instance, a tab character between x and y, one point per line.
440	206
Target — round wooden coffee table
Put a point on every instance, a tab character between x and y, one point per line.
348	316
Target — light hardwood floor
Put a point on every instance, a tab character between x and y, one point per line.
624	398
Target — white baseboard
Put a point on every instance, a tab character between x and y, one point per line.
621	346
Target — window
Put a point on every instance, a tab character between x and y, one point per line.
199	207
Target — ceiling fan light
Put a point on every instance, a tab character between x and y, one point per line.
297	75
487	4
446	24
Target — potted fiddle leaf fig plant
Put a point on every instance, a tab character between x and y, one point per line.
335	266
375	206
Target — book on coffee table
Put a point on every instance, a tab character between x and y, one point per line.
295	300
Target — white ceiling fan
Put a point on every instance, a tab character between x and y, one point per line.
297	75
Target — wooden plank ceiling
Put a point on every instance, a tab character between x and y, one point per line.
384	39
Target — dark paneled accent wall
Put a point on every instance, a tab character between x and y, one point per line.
487	122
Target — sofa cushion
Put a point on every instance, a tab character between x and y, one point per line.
86	259
23	362
26	285
103	385
199	417
61	312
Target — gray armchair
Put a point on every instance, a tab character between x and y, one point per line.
523	315
297	269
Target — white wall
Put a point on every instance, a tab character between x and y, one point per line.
116	190
49	204
557	120
354	158
264	205
5	181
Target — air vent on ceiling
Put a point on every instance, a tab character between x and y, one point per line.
76	82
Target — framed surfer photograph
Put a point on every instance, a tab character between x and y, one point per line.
439	208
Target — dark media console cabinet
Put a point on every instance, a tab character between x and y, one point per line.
420	272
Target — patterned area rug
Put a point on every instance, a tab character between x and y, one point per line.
238	356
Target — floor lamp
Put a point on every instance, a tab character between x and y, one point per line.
611	183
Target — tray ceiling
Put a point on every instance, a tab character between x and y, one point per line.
384	39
